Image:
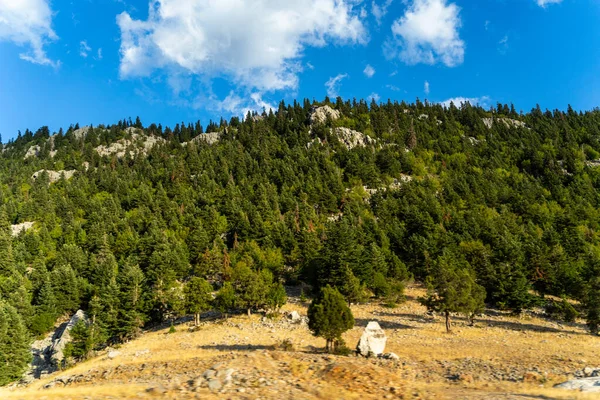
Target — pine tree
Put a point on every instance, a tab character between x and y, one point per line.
329	316
452	289
225	299
14	345
591	305
198	297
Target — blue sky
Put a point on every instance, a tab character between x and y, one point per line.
168	61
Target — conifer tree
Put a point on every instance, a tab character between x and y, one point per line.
198	297
329	316
14	344
225	299
452	289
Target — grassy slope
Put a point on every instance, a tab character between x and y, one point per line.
472	362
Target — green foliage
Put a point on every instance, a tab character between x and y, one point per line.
269	205
81	343
198	297
329	316
14	344
452	289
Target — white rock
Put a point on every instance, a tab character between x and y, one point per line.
509	123
583	385
210	138
17	229
58	346
352	139
113	354
320	114
33	151
372	341
139	142
54	176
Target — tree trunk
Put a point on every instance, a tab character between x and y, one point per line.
196	319
447	321
249	312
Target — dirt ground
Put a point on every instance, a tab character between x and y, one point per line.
501	357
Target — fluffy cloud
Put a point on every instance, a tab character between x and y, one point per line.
427	33
256	44
458	101
373	96
28	23
544	3
333	85
369	71
380	11
426	87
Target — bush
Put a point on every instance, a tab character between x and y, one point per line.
286	345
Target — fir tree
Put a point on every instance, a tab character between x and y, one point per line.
329	316
198	297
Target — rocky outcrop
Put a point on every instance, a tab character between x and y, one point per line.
54	176
318	115
58	346
509	123
210	138
33	151
137	143
372	342
352	139
24	227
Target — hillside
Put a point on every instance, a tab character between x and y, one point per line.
138	225
501	357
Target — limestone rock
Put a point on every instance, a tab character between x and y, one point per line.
320	114
210	138
113	354
509	123
352	139
54	176
58	346
583	385
373	340
295	317
390	356
33	151
138	143
17	229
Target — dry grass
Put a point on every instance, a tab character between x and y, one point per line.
471	362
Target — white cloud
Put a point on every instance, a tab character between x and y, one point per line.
369	71
333	85
426	87
99	56
84	49
257	45
503	45
427	33
458	101
28	23
380	11
544	3
393	88
373	96
310	66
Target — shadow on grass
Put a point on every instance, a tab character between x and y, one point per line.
237	347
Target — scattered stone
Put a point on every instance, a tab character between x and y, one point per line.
113	354
208	374
157	390
373	340
390	356
214	385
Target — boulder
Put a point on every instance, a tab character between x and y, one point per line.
390	356
372	342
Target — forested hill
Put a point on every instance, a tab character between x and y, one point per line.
118	220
